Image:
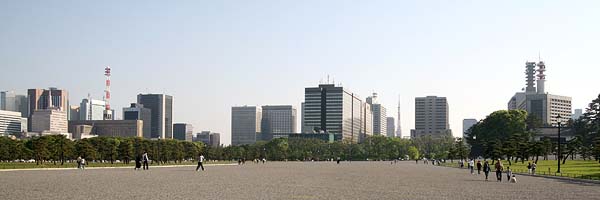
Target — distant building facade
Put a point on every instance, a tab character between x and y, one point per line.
107	128
391	127
578	114
183	131
10	101
12	122
467	124
379	116
277	119
545	107
40	99
138	112
161	120
208	138
245	124
331	109
92	109
49	120
431	117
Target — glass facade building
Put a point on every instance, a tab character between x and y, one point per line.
161	119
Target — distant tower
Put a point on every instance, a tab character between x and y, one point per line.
108	115
541	77
399	125
530	72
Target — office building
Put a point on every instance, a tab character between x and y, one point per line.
578	114
10	101
431	117
138	112
183	131
49	120
367	121
208	138
379	116
302	130
536	101
391	127
277	119
332	109
12	122
161	120
245	124
41	99
107	128
74	113
399	124
467	124
92	109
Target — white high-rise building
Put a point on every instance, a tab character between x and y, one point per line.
379	116
92	109
12	122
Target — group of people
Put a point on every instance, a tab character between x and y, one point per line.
532	167
142	160
498	167
80	163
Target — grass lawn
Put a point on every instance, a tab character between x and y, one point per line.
572	168
16	165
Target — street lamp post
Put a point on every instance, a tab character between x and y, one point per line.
558	119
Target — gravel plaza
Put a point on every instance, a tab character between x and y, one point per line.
285	180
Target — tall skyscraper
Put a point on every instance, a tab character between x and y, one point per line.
391	127
546	107
38	99
467	124
245	124
91	109
279	119
161	120
379	116
332	109
138	112
431	117
74	113
183	131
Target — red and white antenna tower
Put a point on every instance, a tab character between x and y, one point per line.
107	112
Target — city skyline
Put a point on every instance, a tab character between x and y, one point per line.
211	56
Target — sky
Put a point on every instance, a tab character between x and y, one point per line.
211	55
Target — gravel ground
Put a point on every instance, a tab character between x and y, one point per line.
279	180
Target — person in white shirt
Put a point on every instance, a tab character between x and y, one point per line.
200	161
83	163
145	160
471	165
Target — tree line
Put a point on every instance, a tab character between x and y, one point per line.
510	135
57	149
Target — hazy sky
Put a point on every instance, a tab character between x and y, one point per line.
211	55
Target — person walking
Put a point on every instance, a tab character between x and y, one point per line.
508	174
83	163
529	167
79	162
486	169
138	162
533	167
499	168
200	161
479	167
145	160
472	166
